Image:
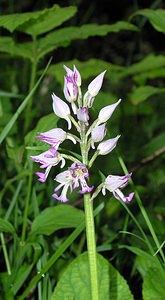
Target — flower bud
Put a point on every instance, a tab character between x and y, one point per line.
97	134
107	146
106	112
82	115
96	84
77	76
61	109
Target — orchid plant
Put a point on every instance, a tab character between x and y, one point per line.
76	111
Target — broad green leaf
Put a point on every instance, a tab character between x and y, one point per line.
141	79
144	262
6	226
149	63
37	22
142	93
49	19
55	218
8	45
153	285
75	281
6	292
12	21
63	37
59	38
157	143
156	17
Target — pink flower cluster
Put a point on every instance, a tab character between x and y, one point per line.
76	176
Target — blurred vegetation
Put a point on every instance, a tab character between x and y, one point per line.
126	38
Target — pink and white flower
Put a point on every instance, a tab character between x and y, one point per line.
106	112
107	146
114	183
73	177
55	137
61	109
47	159
97	134
93	89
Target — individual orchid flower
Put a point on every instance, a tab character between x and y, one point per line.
61	109
106	112
47	159
55	137
66	180
72	83
93	89
97	134
72	178
107	146
74	74
79	173
113	183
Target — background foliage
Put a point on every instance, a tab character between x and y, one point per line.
127	39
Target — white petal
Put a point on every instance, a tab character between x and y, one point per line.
96	84
106	112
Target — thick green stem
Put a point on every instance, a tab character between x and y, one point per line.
91	246
90	227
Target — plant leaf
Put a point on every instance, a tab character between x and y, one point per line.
75	281
55	218
153	285
6	226
156	17
63	37
142	93
37	22
8	45
48	20
150	62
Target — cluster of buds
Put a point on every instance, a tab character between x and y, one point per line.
76	113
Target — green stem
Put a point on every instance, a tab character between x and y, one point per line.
90	227
5	254
31	85
91	245
25	217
